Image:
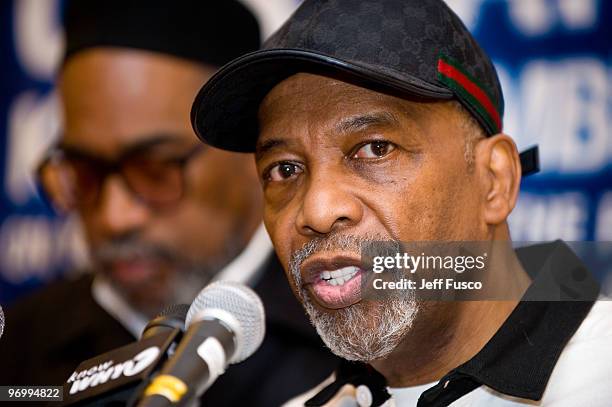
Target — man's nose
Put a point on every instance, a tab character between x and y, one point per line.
328	205
119	210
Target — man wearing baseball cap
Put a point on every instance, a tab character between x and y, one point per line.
382	121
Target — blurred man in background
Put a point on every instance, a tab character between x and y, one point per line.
163	215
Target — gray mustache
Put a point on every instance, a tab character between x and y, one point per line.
331	243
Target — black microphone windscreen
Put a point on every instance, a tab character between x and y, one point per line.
176	311
172	317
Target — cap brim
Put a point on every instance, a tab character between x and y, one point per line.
224	113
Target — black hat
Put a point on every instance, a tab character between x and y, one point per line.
211	32
414	47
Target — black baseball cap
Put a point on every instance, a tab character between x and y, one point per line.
416	48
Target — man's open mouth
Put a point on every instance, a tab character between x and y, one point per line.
333	282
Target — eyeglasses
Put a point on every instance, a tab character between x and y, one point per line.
73	179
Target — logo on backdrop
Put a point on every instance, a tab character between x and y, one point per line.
110	370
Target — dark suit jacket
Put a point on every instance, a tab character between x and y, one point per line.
48	334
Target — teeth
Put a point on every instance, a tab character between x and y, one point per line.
339	276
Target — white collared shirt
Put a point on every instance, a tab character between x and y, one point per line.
582	376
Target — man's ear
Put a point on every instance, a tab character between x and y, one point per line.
499	170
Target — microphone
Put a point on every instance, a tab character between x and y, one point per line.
172	317
225	325
120	375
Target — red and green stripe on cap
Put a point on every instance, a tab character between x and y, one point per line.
467	88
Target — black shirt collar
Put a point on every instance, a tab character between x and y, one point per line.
520	358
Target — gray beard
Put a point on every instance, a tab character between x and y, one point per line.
365	331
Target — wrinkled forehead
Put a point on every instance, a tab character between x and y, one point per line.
311	103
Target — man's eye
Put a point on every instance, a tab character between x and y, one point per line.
283	171
375	149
